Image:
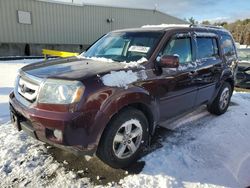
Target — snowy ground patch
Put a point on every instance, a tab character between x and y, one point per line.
25	162
209	151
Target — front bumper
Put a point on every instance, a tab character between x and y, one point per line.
40	124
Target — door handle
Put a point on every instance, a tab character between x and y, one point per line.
192	73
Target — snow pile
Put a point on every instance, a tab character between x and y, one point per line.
166	25
122	78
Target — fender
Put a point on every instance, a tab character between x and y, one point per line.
112	100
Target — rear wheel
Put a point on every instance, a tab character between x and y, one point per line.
124	138
221	102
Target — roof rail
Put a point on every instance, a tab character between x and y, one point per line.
207	26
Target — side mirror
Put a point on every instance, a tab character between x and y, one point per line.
169	61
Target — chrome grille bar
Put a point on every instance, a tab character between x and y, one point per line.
27	89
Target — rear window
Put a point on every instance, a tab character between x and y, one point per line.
227	45
207	47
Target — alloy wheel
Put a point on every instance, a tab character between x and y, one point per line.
224	98
127	139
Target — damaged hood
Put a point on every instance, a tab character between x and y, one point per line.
72	68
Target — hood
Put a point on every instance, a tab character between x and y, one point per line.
72	68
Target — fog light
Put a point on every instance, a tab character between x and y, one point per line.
58	134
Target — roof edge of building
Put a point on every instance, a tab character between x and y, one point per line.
102	5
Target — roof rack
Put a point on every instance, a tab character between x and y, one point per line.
207	26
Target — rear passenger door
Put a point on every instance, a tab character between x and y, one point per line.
209	66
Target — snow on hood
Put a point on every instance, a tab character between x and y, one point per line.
100	59
123	78
127	65
133	64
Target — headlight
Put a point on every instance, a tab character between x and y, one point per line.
60	92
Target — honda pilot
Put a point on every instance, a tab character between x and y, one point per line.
109	100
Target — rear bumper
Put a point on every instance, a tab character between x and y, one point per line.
40	124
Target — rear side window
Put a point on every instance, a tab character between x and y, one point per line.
181	47
207	47
227	45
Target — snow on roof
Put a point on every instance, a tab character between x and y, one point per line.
166	25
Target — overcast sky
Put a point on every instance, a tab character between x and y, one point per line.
214	10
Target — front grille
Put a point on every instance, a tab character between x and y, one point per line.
26	88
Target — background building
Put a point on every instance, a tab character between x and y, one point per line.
27	26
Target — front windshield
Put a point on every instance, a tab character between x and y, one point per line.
244	54
124	46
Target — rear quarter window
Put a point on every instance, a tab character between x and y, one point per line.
227	45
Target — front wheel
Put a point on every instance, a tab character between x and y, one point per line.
222	101
124	138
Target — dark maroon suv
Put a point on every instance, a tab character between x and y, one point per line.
109	99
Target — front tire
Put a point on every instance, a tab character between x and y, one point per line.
124	138
221	102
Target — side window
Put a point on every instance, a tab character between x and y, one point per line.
207	47
181	47
227	45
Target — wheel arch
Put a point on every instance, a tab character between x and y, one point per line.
145	109
138	99
231	82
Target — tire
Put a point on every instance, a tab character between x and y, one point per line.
221	102
117	147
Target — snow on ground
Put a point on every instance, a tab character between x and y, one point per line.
202	151
25	162
205	151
